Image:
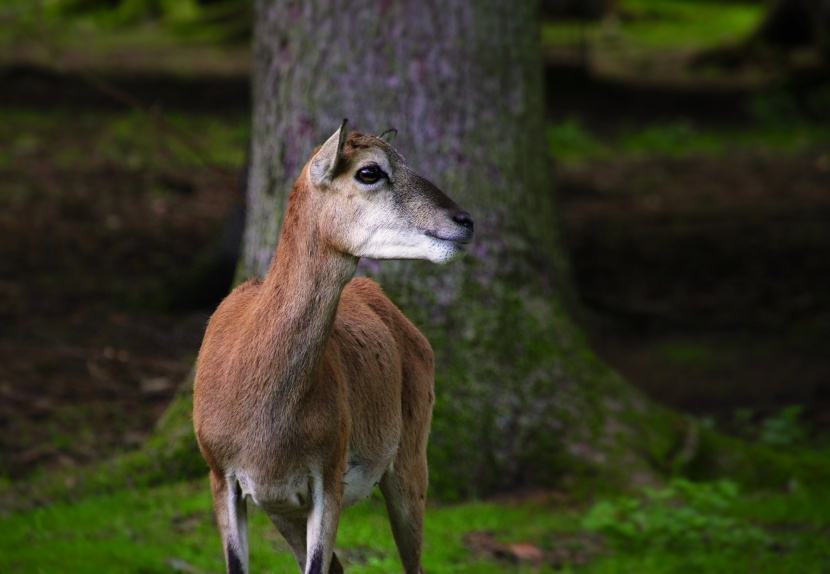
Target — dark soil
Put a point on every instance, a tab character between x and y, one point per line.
95	333
706	281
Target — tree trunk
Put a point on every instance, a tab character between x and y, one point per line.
520	398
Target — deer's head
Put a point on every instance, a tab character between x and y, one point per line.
373	205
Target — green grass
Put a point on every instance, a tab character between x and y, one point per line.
795	523
128	138
689	23
571	142
135	531
171	527
683	24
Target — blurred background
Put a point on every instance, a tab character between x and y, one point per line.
689	146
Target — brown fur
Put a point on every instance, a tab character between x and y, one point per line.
305	366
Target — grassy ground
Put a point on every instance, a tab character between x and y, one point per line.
661	24
171	529
653	41
104	217
776	125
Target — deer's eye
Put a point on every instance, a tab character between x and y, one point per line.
369	174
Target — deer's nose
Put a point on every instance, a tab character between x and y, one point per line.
463	219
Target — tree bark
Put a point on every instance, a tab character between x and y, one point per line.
520	398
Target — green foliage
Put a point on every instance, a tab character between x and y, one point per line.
779	127
136	140
673	139
569	141
131	139
682	516
672	24
783	429
688	23
123	12
794	525
212	21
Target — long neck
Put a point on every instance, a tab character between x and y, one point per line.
298	300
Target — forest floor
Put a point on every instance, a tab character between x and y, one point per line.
705	275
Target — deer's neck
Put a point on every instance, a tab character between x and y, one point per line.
298	304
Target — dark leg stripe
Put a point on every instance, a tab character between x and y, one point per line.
316	562
234	563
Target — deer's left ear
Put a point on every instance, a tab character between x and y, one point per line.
388	135
325	162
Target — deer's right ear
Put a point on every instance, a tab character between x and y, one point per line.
388	135
325	162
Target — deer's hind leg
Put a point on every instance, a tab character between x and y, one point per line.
404	485
404	490
232	517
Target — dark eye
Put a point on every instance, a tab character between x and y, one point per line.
369	174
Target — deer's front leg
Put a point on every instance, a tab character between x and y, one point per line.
323	520
232	518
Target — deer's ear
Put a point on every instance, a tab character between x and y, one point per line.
325	162
389	135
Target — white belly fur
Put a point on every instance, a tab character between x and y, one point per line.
293	493
360	481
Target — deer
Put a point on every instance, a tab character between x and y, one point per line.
312	387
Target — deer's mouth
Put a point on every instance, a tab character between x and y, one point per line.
461	239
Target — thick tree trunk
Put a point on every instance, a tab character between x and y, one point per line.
520	398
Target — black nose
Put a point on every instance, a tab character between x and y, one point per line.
463	218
